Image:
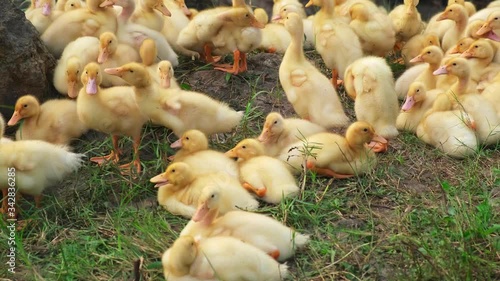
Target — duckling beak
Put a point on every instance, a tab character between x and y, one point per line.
309	4
493	36
454	50
441	70
14	119
417	59
91	88
46	9
467	54
72	93
185	10
159	180
117	71
379	139
165	80
162	9
276	17
231	154
107	3
176	144
485	28
442	16
201	212
264	136
103	55
410	101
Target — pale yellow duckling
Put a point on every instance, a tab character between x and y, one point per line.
194	151
36	165
54	121
469	6
180	190
69	5
163	71
292	4
418	101
279	132
334	34
407	20
494	4
275	38
219	258
307	23
73	59
480	55
416	44
458	14
261	231
334	155
374	29
146	15
491	26
307	89
41	17
369	81
491	93
177	109
473	28
62	5
113	111
93	20
174	24
267	177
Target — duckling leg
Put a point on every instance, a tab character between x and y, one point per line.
233	69
38	200
208	54
113	156
335	78
136	162
261	192
326	172
275	254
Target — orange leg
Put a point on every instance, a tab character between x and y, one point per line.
136	162
38	200
275	254
271	50
261	192
326	172
113	156
208	54
233	69
243	66
335	78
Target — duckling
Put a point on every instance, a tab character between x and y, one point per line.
219	258
418	101
370	82
162	72
146	15
416	44
472	29
432	55
458	14
480	56
275	38
69	5
174	24
292	4
259	230
407	21
41	17
307	89
307	23
263	175
113	111
491	93
38	164
61	5
334	155
180	110
404	80
90	21
73	59
461	46
180	189
55	121
491	25
374	29
494	4
279	132
334	34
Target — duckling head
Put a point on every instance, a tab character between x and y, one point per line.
133	73
165	72
416	94
456	66
241	17
246	149
453	12
178	173
461	46
191	141
26	106
182	5
359	133
294	25
208	202
157	5
72	5
491	23
479	49
181	256
285	10
261	15
473	28
148	52
432	40
73	67
359	11
91	78
273	127
430	54
108	43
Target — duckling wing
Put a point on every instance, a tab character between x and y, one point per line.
298	77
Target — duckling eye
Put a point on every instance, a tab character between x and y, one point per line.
429	53
78	71
275	122
86	72
72	5
213	196
110	41
450	10
187	138
476	46
418	90
496	18
244	147
365	130
246	15
131	71
173	171
454	64
25	105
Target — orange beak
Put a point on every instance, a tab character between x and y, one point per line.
484	29
264	136
16	116
117	71
379	139
176	144
159	180
309	4
454	50
103	55
467	54
417	59
231	154
162	9
165	81
442	16
72	93
107	3
185	10
201	212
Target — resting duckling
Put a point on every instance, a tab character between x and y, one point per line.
307	89
431	55
55	121
38	164
279	132
41	17
334	155
219	258
407	21
369	81
480	56
458	14
113	111
374	29
334	34
416	44
177	109
69	67
418	101
491	26
267	177
93	20
146	15
491	93
261	231
194	151
180	189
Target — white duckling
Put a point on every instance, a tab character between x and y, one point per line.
265	176
219	258
307	89
261	231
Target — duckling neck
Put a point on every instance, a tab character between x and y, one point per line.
462	84
327	7
295	48
461	23
127	11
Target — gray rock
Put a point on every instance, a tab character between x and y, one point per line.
26	66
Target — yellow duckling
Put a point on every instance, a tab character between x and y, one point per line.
219	258
461	46
261	231
174	24
416	44
480	56
469	6
494	4
334	155
93	20
180	189
68	5
162	72
458	14
55	121
275	38
334	34
113	111
36	165
41	17
418	101
177	109
369	81
307	89
146	15
263	175
473	28
491	93
307	23
73	59
407	21
279	132
431	55
292	4
374	29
